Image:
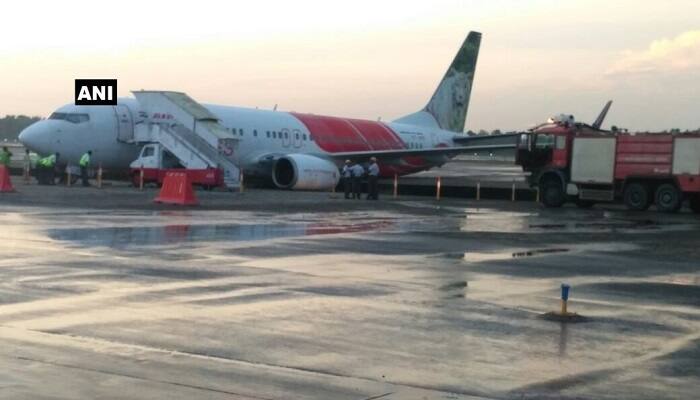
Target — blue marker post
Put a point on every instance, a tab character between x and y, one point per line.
564	297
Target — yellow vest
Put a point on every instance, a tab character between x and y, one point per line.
84	160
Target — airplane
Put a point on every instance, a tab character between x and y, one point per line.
276	144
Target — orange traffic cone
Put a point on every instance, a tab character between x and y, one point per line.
5	182
177	189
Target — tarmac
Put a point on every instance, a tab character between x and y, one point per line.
289	295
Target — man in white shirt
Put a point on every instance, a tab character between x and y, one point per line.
357	172
346	173
372	179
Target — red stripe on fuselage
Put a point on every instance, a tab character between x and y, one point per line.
334	135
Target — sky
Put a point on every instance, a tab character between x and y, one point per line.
366	59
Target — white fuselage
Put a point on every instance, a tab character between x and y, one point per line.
260	133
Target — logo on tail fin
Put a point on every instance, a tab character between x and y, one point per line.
451	99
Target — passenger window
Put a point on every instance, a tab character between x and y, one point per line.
255	132
268	134
274	135
297	136
148	152
286	135
240	132
303	136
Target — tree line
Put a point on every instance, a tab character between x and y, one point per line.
12	125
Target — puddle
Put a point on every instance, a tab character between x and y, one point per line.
455	286
477	257
646	224
121	237
572	248
343	291
568	221
657	292
530	253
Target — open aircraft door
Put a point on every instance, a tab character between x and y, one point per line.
125	123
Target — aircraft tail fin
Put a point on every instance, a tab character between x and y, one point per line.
448	105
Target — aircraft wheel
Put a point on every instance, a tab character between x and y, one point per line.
636	197
668	198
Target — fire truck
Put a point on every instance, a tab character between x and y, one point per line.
571	161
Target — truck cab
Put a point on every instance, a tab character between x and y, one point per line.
154	161
154	155
544	151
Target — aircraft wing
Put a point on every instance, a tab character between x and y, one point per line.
504	139
439	151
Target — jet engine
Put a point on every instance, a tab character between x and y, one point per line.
304	172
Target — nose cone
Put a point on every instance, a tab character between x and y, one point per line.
33	137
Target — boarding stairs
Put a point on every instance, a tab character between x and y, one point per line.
189	131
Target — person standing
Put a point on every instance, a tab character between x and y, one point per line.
5	157
346	173
372	179
84	164
357	172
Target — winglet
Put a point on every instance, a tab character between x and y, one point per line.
601	117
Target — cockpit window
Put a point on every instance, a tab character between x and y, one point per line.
70	117
58	115
78	118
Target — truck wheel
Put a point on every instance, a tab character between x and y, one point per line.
636	197
695	203
668	198
552	194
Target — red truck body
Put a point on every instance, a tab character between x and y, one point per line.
586	165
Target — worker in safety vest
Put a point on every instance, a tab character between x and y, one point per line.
372	180
357	172
346	173
84	164
5	156
46	169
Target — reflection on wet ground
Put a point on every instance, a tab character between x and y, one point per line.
654	292
426	301
128	230
120	237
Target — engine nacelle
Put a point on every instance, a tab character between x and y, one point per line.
304	172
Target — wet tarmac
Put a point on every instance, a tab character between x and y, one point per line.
316	297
